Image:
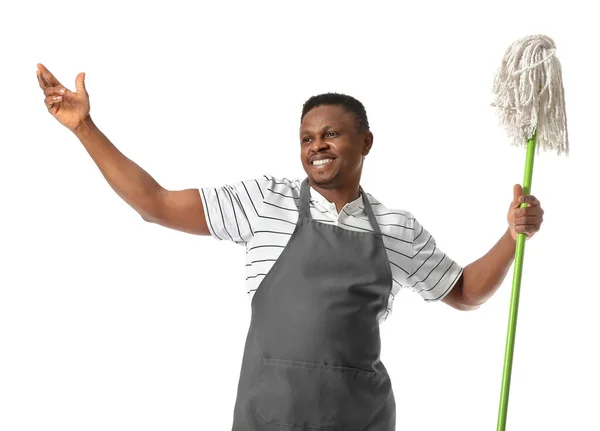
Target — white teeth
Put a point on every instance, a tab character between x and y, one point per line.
321	162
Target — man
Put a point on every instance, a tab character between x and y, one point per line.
324	261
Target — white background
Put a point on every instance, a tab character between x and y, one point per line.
111	323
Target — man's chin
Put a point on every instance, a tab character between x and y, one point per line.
323	179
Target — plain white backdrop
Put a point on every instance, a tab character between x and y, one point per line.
111	323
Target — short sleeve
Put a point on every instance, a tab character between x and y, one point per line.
231	210
433	273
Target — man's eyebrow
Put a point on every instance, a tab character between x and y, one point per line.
303	132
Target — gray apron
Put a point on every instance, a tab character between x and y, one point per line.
311	360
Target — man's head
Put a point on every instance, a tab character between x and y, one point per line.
334	127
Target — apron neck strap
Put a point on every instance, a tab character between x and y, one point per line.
305	205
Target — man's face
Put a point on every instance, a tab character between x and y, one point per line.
329	132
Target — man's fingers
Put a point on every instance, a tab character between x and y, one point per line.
531	200
41	80
48	76
51	91
529	211
526	229
526	220
45	80
50	100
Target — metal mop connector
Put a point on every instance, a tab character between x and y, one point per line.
529	94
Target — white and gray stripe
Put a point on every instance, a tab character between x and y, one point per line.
261	214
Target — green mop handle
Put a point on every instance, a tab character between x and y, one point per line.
514	299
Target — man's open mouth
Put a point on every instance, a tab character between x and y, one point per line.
321	162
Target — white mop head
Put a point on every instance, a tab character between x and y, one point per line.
529	94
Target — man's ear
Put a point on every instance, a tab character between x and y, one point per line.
368	143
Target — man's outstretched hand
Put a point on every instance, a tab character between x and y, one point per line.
68	107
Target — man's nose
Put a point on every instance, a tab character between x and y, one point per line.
319	144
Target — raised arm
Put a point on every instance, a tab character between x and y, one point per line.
181	210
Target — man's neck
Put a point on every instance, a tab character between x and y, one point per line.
339	197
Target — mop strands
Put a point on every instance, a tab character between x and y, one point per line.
530	95
530	103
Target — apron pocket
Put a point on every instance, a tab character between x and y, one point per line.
318	396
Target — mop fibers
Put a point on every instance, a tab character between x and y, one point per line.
529	94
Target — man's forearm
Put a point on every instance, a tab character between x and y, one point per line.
133	184
482	278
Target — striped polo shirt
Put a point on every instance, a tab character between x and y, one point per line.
261	215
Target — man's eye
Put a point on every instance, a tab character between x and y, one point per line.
326	134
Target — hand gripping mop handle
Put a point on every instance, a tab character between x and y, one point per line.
516	290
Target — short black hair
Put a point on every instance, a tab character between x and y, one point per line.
349	103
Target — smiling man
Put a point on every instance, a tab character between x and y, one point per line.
325	260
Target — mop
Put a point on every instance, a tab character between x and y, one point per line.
529	97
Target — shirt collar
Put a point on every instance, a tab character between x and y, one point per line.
350	207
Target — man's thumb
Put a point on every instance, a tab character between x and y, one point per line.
517	192
80	83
